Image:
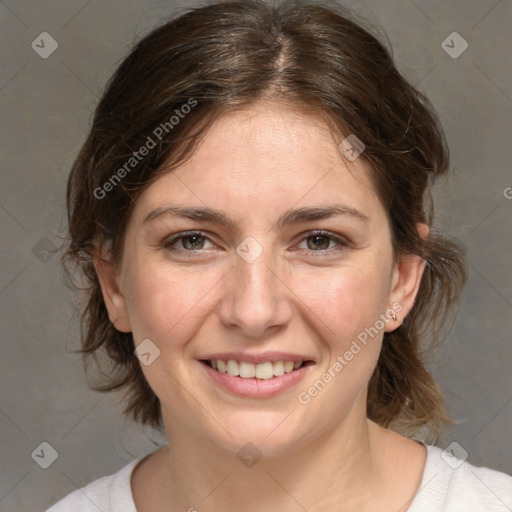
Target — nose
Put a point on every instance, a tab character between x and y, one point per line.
256	300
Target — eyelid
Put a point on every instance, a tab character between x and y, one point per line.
341	240
169	241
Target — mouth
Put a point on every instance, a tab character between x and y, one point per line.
255	380
262	371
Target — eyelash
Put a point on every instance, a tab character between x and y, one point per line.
169	243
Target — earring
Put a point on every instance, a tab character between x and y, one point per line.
393	316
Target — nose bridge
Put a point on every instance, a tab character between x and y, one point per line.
256	300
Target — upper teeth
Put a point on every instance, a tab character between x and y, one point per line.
260	371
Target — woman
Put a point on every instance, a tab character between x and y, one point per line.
252	212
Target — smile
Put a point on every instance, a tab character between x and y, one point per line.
255	380
247	370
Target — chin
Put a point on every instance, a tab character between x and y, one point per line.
267	434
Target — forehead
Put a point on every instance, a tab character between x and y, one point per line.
265	159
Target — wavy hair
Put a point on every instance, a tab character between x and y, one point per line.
317	58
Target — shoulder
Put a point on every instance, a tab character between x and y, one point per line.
452	485
110	493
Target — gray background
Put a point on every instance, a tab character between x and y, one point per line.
46	106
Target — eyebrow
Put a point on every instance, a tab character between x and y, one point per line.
291	217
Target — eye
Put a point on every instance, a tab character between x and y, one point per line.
194	242
320	241
189	241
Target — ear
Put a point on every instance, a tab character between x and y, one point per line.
115	302
406	281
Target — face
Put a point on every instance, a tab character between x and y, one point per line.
281	252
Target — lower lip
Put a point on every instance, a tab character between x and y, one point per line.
256	388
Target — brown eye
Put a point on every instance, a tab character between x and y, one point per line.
196	242
185	242
325	242
319	242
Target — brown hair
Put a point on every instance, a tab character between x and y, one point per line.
226	56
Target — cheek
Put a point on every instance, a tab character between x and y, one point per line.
346	300
165	305
343	308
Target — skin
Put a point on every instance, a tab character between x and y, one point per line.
302	295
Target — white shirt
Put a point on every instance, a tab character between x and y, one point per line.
445	486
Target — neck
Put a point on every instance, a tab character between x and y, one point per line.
340	466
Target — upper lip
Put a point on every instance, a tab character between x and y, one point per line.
255	358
